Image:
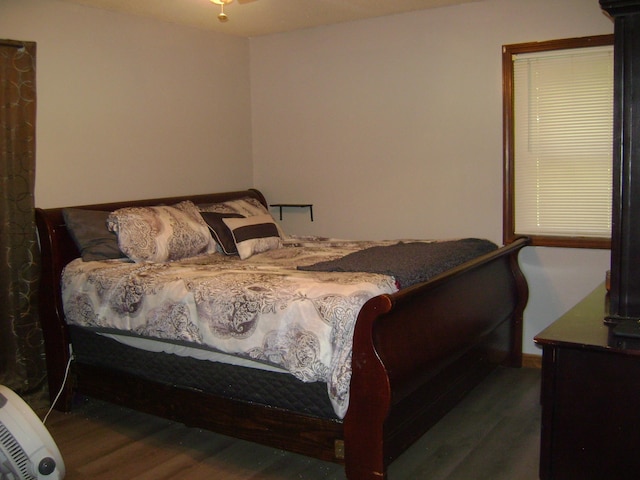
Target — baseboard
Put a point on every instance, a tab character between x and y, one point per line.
531	361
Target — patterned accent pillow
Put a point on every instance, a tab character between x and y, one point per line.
247	207
253	235
161	233
220	231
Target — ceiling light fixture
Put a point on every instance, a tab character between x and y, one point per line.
222	16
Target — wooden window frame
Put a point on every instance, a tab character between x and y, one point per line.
508	51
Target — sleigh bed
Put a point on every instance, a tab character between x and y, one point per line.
417	348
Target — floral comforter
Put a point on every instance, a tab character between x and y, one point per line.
261	308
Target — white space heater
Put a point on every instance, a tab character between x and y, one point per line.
27	451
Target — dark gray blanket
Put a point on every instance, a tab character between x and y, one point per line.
409	263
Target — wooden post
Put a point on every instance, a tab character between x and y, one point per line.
625	235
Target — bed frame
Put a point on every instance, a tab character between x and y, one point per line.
416	353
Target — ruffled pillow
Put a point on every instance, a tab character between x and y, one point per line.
161	233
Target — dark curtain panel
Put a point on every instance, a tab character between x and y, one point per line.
22	366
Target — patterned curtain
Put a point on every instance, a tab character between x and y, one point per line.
22	366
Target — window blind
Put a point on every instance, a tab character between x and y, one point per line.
563	128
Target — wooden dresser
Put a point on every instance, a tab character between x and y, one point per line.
590	397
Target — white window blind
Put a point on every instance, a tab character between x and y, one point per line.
563	126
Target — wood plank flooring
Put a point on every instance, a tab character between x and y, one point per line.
493	434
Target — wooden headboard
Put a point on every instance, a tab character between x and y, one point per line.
56	242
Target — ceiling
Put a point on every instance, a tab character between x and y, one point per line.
250	18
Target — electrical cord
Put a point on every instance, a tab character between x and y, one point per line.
64	382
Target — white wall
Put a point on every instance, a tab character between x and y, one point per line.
392	127
132	108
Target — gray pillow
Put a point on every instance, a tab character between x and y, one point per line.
88	228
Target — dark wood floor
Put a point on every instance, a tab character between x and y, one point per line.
492	434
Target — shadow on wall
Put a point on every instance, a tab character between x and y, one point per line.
558	278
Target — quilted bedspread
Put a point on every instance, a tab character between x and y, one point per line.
408	262
262	308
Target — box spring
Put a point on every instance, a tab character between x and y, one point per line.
230	381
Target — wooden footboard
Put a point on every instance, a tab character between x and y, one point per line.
415	354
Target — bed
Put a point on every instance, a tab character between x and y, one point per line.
416	349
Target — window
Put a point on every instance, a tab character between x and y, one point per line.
558	144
